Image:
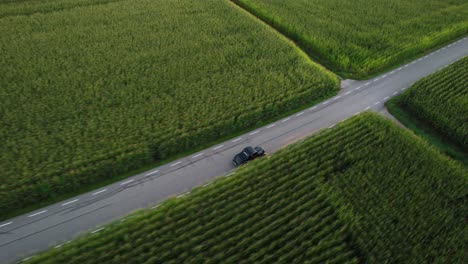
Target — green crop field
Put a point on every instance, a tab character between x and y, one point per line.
364	191
362	37
441	101
90	92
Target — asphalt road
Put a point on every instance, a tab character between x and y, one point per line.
56	224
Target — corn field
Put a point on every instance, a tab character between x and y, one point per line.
362	37
364	191
93	91
441	101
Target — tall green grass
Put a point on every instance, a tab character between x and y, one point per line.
363	37
365	191
92	92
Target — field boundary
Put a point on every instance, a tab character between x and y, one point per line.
421	129
314	54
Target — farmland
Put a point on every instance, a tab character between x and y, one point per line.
363	37
440	101
89	93
341	196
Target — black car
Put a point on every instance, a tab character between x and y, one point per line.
248	154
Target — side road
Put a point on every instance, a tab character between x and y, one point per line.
56	224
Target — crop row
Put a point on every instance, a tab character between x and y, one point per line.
93	92
363	191
441	101
362	37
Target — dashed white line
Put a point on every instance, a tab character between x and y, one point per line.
331	126
126	182
177	163
58	246
395	93
357	113
230	174
399	69
365	84
198	155
26	259
156	206
182	195
206	185
253	133
270	126
98	192
325	103
358	88
38	213
218	147
336	97
367	108
376	103
153	172
348	93
313	108
70	202
402	89
9	223
97	230
285	120
237	139
301	113
386	98
384	76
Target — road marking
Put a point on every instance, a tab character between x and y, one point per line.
337	97
101	191
58	246
326	102
402	89
285	120
301	113
206	185
348	93
376	103
198	155
270	126
437	51
156	171
182	195
365	84
177	163
70	202
237	139
255	132
9	223
395	93
358	88
230	174
156	206
384	76
41	212
218	147
357	113
26	259
129	181
399	69
95	231
331	126
313	108
367	108
386	98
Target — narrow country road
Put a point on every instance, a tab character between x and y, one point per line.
56	224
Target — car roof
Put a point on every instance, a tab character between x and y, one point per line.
249	151
241	158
